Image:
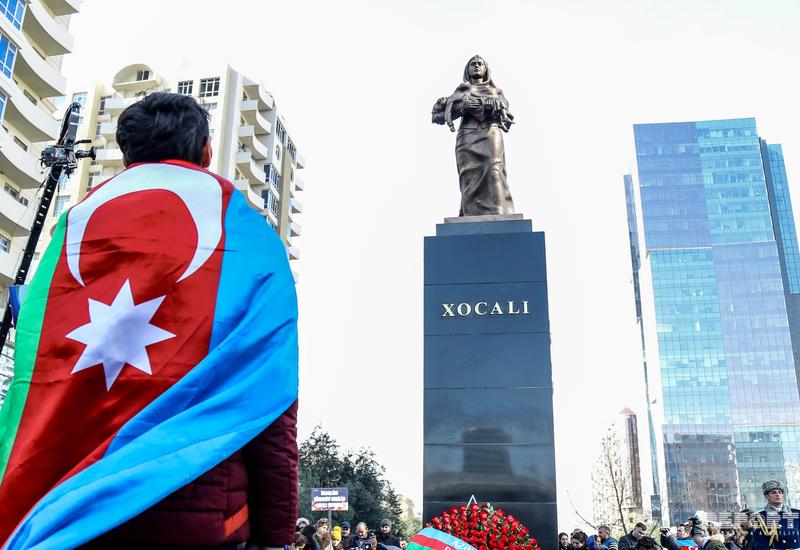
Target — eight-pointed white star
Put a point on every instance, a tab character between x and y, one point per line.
119	334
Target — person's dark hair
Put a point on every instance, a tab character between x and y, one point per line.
580	536
308	532
562	534
163	126
646	543
640	525
299	540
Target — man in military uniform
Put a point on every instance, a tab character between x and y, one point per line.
776	526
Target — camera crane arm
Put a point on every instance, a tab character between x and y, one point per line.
62	159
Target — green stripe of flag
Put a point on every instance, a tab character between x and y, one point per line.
29	329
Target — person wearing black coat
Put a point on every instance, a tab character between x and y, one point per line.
385	536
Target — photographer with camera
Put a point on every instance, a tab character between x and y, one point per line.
680	542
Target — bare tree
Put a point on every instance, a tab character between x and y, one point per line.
612	480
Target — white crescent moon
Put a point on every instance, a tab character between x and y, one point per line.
200	192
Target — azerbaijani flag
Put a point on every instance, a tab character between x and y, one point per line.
433	539
158	336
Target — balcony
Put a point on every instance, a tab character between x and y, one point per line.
294	254
99	142
295	206
19	165
253	172
300	160
8	267
108	130
299	184
249	109
63	7
40	76
252	197
130	79
15	217
271	216
110	157
294	229
247	135
258	93
49	36
32	121
115	105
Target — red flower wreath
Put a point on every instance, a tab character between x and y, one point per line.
485	528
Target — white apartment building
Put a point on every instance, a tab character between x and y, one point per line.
251	143
34	37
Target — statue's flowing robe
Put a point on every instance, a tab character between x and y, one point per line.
480	156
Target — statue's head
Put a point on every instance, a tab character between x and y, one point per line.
476	71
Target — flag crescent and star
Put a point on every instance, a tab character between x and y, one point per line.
152	288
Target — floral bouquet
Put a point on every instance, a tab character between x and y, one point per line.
485	527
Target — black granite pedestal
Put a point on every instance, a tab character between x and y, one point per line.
488	419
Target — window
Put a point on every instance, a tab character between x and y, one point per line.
14	10
102	110
273	204
97	129
80	97
29	96
272	176
8	52
60	205
211	108
3	107
63	182
93	180
185	87
5	243
20	143
14	193
142	75
279	131
11	191
209	87
278	152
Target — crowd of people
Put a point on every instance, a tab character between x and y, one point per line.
695	534
320	536
698	533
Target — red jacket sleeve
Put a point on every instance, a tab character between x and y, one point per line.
271	459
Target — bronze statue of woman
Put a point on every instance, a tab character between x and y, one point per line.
480	154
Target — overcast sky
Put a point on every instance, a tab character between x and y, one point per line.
356	81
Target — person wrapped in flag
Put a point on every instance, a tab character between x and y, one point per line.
154	401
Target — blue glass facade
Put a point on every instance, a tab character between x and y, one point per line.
718	245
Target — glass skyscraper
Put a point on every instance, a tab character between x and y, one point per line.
721	250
